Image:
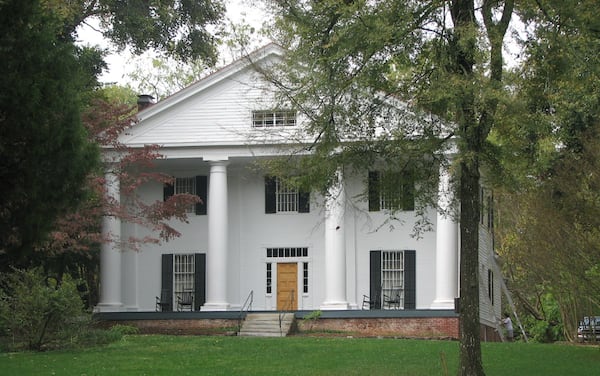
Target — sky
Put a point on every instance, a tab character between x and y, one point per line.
248	11
120	62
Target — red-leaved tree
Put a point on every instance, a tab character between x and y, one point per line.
73	246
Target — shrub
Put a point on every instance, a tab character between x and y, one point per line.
124	329
36	311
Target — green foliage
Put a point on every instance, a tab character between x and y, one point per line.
165	76
119	95
314	315
179	28
124	329
44	153
36	311
548	231
548	328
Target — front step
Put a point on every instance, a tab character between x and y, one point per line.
266	325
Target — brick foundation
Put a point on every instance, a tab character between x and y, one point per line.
426	327
180	327
359	323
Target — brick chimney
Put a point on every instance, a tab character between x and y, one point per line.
144	101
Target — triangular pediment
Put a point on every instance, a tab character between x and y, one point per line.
216	110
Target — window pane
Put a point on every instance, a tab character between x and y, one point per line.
305	277
186	185
183	273
268	119
286	197
392	276
397	191
269	276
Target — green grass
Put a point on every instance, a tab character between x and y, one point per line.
201	355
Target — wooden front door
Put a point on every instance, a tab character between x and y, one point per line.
287	286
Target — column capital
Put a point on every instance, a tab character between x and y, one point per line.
220	160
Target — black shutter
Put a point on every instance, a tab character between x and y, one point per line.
410	295
408	191
168	191
167	279
270	203
374	191
304	202
201	191
375	279
199	280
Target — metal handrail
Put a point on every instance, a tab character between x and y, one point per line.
286	308
247	306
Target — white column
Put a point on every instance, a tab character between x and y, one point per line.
216	258
335	248
446	255
110	253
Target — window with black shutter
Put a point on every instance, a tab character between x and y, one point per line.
281	197
197	185
182	273
392	282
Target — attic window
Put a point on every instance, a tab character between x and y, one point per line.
269	119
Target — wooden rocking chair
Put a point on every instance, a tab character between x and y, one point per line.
185	301
163	303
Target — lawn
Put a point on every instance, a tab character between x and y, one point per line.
201	355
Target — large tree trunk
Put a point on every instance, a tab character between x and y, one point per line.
470	347
470	143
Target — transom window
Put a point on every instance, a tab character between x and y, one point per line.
269	119
186	185
392	276
287	252
183	273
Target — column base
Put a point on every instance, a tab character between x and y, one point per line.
442	304
215	307
109	307
332	306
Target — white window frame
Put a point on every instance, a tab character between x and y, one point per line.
187	185
184	269
273	118
287	254
286	197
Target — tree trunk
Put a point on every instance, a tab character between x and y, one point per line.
470	143
470	347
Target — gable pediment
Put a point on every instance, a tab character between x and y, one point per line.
216	110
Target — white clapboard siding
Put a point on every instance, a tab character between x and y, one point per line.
214	112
